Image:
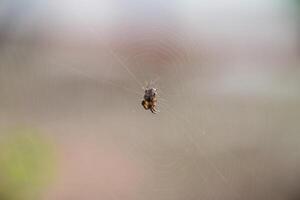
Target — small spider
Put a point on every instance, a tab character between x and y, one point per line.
150	101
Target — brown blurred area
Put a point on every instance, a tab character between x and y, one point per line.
228	78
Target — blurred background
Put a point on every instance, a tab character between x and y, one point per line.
71	83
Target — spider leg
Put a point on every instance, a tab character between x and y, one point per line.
145	104
154	110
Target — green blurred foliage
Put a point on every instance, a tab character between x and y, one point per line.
26	163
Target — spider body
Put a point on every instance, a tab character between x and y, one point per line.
150	100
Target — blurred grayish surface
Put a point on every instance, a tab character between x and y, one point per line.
227	73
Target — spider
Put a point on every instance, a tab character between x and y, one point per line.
150	101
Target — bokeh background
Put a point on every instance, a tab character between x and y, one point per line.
71	78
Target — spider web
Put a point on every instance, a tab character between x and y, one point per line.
182	116
85	87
